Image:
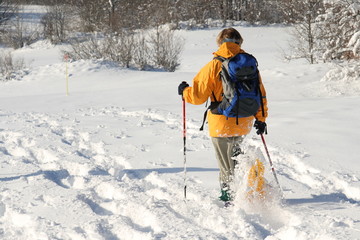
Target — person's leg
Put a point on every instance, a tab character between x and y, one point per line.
236	148
222	149
225	150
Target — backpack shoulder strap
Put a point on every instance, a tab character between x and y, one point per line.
220	58
212	106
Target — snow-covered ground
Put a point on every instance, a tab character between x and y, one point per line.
106	161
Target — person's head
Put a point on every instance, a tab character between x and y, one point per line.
229	35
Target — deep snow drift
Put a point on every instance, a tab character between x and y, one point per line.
106	161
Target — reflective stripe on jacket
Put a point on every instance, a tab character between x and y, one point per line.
207	82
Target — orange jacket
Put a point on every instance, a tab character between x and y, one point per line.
208	81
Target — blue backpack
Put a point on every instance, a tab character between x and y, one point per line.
241	87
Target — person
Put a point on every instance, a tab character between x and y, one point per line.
226	134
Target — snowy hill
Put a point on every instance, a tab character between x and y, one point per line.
106	161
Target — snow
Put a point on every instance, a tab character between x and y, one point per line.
106	162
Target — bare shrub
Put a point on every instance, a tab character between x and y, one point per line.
165	48
121	48
159	49
116	48
91	48
141	55
10	68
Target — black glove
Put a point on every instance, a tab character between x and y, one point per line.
182	86
260	127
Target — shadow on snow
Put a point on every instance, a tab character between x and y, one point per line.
53	175
142	173
324	198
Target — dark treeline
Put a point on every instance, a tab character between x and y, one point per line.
324	30
134	14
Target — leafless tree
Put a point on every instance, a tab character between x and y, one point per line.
305	33
56	22
8	9
17	33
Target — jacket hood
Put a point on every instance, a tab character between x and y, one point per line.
228	49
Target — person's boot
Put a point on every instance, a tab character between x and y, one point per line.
226	195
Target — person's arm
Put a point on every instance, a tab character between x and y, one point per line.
203	84
262	114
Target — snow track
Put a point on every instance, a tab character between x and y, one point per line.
67	177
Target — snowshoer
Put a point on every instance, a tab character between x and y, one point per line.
227	133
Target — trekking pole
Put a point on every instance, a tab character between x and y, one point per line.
271	165
184	137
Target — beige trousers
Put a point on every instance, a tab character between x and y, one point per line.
225	149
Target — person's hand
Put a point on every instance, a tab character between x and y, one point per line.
182	87
260	127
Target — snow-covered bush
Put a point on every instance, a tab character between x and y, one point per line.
354	44
329	31
343	79
337	30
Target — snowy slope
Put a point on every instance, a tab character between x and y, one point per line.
106	161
